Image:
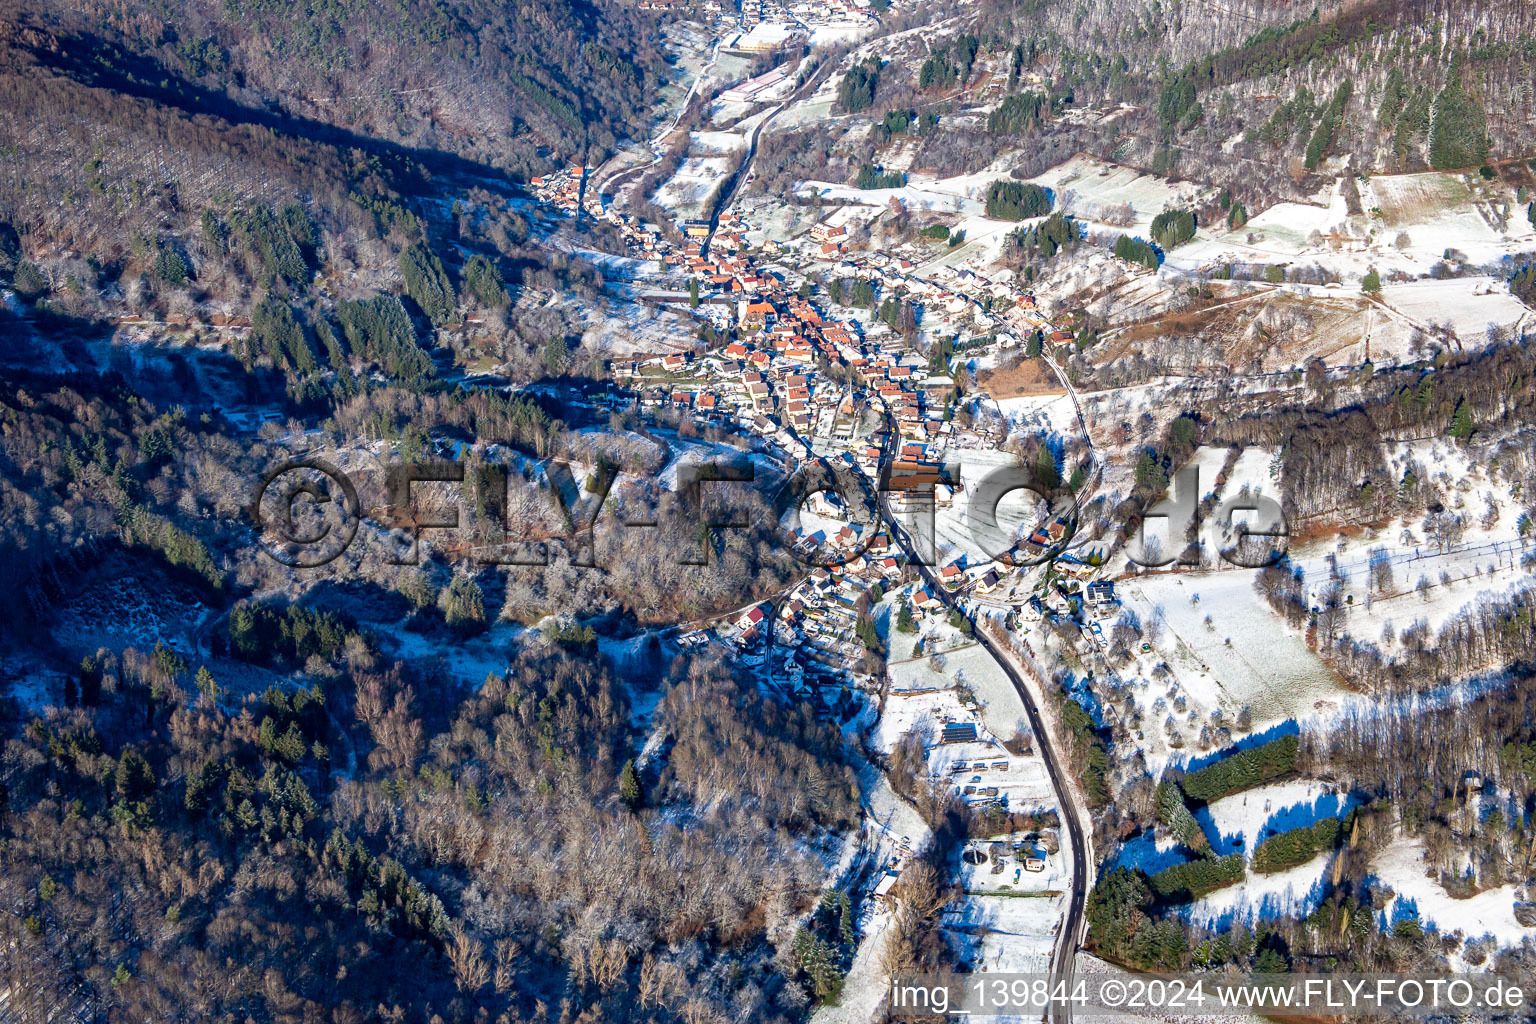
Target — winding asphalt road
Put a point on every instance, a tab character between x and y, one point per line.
1065	955
743	170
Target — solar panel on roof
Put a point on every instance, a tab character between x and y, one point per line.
959	733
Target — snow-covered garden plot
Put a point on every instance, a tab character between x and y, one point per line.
916	702
1226	649
983	856
1492	912
927	712
923	694
1014	934
992	773
696	179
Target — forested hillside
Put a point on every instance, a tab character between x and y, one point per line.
381	846
512	85
1253	95
216	164
130	120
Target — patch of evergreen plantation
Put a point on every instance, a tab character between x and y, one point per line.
1296	846
1174	815
1192	879
1246	769
1187	882
1243	770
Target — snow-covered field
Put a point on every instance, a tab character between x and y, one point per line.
921	697
1411	222
965	530
842	33
1424	586
1226	649
1243	820
1440	211
962	196
696	178
1089	186
1237	824
1489	913
1283	230
1468	305
1029	413
1256	471
1288	894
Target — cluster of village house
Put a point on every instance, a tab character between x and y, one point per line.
769	377
951	300
802	14
765	27
805	14
561	189
772	382
772	377
710	6
983	770
738	286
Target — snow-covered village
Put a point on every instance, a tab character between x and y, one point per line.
706	510
919	366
